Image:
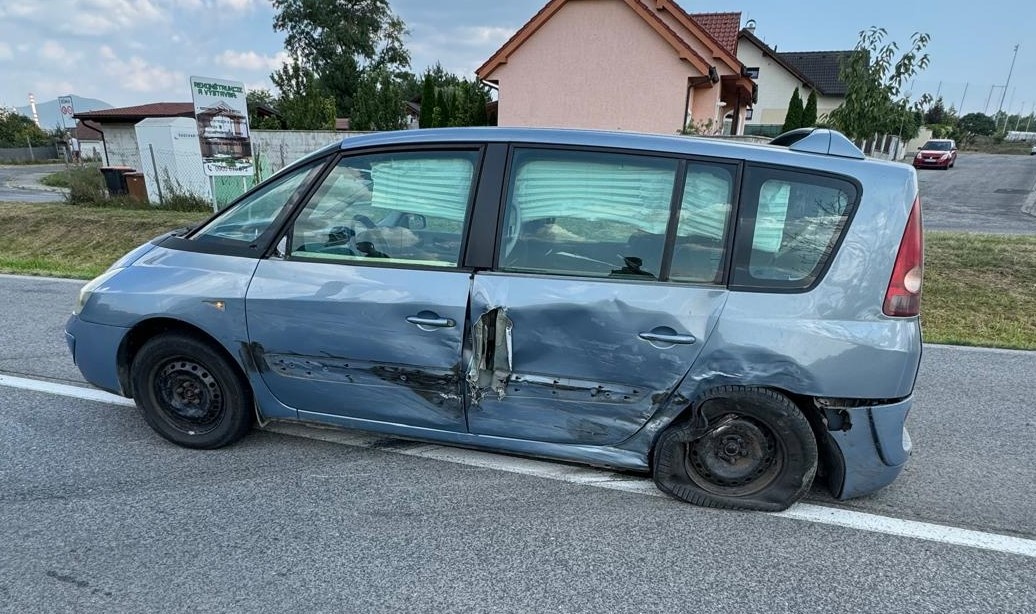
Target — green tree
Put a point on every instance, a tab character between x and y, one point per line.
378	104
809	114
427	102
340	39
936	114
16	130
449	100
261	98
977	123
304	105
875	102
793	119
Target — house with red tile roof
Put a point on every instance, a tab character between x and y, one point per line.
644	65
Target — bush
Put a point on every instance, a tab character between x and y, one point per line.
86	188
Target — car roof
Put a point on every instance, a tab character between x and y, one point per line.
564	136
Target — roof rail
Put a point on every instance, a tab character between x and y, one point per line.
820	141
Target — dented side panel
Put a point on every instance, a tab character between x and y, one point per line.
335	339
579	372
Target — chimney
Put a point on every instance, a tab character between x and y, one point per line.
750	26
32	105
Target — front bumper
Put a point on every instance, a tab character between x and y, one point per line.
869	451
95	350
932	163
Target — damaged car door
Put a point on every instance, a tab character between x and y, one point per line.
609	279
362	313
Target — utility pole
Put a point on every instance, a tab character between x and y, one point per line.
1006	85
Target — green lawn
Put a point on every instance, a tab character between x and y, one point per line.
979	289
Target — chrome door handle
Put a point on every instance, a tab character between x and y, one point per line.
664	338
431	322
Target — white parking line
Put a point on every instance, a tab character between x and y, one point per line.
587	476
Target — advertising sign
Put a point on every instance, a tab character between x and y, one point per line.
222	116
67	111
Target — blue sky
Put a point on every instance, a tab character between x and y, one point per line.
137	51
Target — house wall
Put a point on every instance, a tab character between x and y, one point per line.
121	144
775	87
596	64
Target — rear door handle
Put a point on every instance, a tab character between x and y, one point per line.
431	322
668	338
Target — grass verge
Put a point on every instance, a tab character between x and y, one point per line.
80	242
59	179
979	289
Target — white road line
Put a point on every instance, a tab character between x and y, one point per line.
78	392
587	476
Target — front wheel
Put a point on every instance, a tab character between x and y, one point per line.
746	448
189	392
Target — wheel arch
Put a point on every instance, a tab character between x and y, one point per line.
146	329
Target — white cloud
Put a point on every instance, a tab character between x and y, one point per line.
236	5
482	35
250	60
52	50
138	75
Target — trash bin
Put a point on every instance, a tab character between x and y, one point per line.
135	186
114	178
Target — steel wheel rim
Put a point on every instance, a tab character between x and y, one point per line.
738	456
188	395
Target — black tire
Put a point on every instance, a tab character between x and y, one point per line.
744	448
189	392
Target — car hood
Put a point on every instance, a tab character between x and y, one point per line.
930	152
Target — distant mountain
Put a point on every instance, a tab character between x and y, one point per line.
50	115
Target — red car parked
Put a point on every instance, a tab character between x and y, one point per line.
937	153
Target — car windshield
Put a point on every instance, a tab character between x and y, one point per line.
937	146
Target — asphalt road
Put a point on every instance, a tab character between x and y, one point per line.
97	514
14	178
981	193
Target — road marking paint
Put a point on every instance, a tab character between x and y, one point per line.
586	476
65	390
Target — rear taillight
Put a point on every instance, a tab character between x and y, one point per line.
903	297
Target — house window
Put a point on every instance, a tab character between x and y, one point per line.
752	72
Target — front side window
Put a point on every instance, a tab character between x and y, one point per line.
403	208
798	220
585	213
245	222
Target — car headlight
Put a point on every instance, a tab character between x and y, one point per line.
93	284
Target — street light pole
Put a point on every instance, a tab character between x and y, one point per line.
1006	85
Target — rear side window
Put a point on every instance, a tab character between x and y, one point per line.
790	225
585	213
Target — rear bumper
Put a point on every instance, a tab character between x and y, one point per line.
95	350
870	451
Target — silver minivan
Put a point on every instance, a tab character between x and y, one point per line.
735	319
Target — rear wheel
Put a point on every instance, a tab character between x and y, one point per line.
745	448
189	392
